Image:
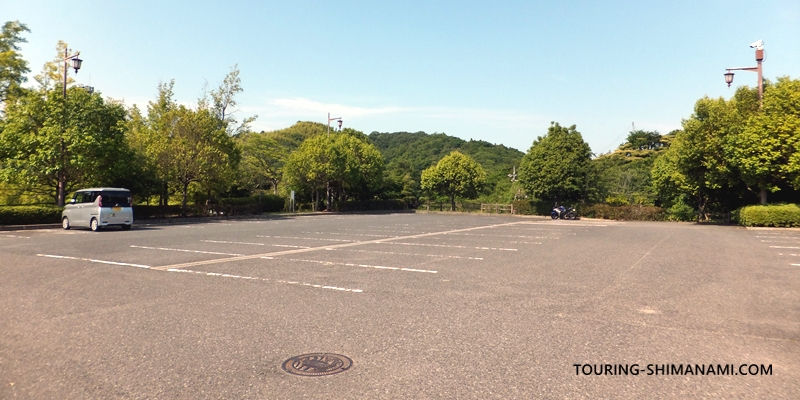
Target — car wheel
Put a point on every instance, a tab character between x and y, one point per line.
94	225
126	227
65	223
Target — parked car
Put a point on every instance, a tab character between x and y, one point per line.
97	208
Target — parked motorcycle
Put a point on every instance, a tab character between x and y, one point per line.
562	212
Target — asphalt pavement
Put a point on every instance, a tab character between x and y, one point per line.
426	306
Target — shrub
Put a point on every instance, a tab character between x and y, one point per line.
681	212
782	215
531	207
22	215
523	207
370	205
627	213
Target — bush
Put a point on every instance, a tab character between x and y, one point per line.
681	212
523	207
370	205
782	215
22	215
627	213
531	207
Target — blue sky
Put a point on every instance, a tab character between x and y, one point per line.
498	71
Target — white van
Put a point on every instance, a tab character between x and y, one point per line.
97	208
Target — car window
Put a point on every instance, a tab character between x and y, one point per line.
83	197
116	198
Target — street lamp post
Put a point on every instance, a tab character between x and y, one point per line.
759	46
62	178
328	194
338	119
76	64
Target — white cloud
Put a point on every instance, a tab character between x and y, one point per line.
301	106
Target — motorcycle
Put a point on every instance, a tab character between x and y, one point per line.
562	212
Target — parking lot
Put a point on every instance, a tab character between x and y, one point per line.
425	306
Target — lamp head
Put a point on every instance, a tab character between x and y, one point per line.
729	78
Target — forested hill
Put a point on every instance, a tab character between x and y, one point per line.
420	150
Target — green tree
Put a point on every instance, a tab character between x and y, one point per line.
262	162
222	103
702	152
454	175
343	165
766	149
53	144
184	147
556	167
12	66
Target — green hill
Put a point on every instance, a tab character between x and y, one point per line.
420	150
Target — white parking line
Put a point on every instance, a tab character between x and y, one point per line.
509	236
305	238
350	234
449	246
94	261
18	237
410	254
784	247
351	244
266	280
353	265
256	244
187	251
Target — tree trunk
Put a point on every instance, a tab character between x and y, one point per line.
763	196
452	202
328	196
185	196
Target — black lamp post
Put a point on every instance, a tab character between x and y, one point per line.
76	64
333	119
759	46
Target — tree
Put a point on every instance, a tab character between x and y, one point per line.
185	147
53	144
454	175
222	102
555	168
702	152
53	71
262	162
12	66
343	164
766	149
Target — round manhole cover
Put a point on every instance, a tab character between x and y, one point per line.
317	364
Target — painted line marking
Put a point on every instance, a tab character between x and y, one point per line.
256	244
350	234
187	251
797	265
784	247
95	261
779	241
410	254
351	244
509	236
777	235
450	246
265	280
305	238
18	237
561	224
354	265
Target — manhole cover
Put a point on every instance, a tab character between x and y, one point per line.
317	364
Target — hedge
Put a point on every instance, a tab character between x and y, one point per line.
370	205
21	215
780	215
627	213
531	207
